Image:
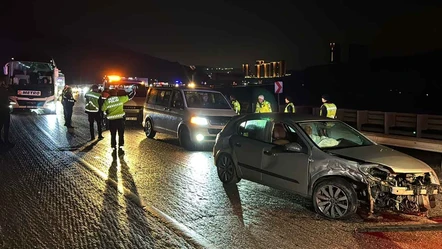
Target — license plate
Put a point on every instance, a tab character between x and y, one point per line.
29	93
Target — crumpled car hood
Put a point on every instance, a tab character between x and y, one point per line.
397	161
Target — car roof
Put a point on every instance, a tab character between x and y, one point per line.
295	117
196	89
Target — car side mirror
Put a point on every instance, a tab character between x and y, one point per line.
294	147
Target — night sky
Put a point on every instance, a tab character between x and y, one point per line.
228	33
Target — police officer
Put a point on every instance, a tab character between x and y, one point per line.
290	107
236	104
68	102
328	109
93	110
262	106
5	115
113	106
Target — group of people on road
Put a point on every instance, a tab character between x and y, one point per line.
100	106
110	104
328	109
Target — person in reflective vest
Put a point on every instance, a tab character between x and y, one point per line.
236	104
68	102
262	106
5	115
113	107
93	110
328	109
290	107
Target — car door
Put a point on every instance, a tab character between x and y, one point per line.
176	111
287	169
162	107
249	144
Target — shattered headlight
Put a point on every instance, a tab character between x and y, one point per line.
377	171
366	168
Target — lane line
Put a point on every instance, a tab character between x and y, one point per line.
180	229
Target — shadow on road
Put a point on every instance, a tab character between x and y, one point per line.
235	200
111	208
124	213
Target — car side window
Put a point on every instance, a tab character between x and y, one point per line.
152	97
255	129
177	100
163	97
294	136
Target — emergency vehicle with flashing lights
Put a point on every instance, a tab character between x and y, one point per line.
134	107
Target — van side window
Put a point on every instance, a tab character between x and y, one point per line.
152	96
177	100
163	97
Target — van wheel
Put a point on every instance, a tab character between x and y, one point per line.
335	198
184	138
148	129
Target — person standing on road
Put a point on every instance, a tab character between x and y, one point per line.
5	115
113	107
328	109
93	106
236	104
290	107
68	102
262	106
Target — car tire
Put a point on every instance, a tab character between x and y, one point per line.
148	129
226	169
184	139
335	198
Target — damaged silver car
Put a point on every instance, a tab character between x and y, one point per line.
323	159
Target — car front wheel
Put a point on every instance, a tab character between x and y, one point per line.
148	129
226	169
335	198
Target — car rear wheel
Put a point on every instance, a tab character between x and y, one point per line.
335	198
148	129
226	169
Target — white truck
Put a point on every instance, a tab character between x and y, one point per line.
35	85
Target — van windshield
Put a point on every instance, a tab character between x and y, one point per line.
203	99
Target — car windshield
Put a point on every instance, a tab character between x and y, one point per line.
203	99
128	87
333	135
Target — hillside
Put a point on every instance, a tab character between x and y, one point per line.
88	59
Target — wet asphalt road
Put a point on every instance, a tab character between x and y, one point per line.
54	194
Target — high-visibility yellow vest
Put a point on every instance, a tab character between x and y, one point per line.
92	104
113	106
236	106
287	107
331	110
263	107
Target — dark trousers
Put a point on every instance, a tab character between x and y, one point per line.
67	111
5	122
95	117
114	126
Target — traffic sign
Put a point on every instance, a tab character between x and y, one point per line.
278	87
